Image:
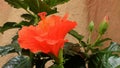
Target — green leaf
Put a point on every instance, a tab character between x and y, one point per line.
17	3
99	60
10	25
37	6
114	61
114	47
25	23
84	44
18	62
15	44
91	26
11	48
27	16
76	35
101	41
6	50
7	26
106	58
53	3
118	66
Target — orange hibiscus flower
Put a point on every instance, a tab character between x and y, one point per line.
47	36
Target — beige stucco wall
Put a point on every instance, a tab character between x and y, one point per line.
76	8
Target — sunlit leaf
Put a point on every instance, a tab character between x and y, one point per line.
18	62
114	47
6	50
114	61
106	57
15	44
10	48
99	60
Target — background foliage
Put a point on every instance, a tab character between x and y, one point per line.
73	55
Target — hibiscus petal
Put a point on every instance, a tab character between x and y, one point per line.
47	36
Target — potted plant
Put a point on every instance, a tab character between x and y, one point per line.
40	38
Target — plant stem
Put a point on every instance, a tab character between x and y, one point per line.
88	44
89	39
60	59
38	4
28	12
98	38
36	20
31	58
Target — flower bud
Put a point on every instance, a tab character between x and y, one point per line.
91	26
103	26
